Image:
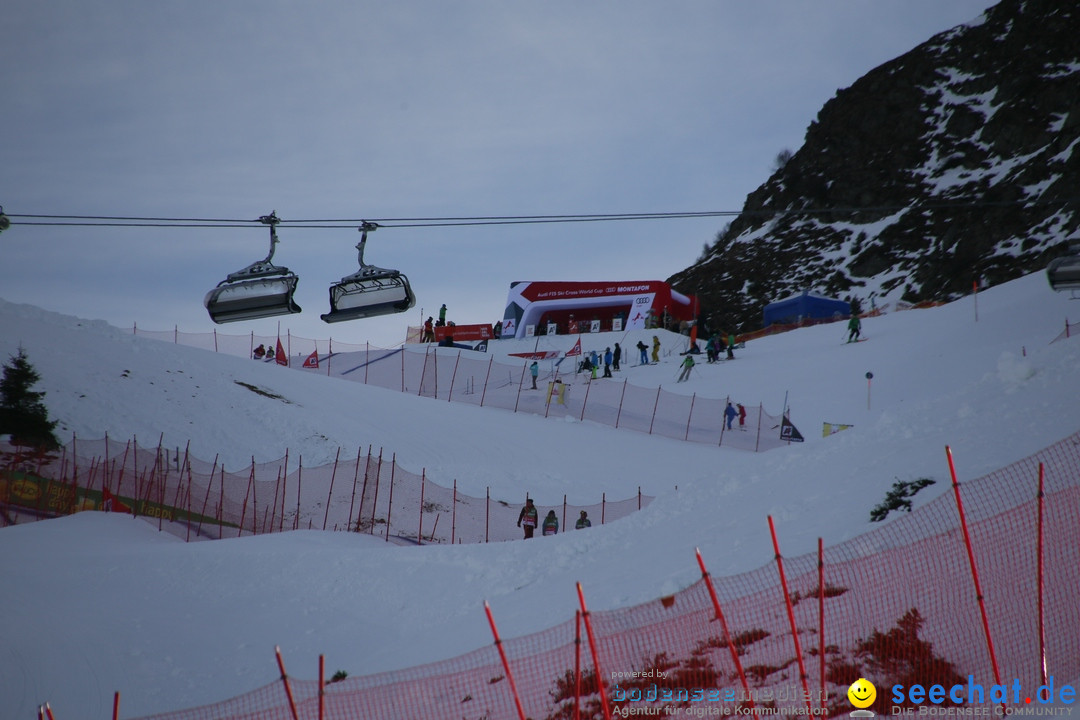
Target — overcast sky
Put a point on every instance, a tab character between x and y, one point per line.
358	109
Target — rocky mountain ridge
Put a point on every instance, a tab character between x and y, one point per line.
952	164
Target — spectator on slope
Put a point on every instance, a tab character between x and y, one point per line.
730	346
730	414
583	521
616	355
260	352
607	362
429	330
644	350
442	316
534	370
655	349
742	416
528	518
551	524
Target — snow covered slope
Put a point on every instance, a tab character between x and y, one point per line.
99	603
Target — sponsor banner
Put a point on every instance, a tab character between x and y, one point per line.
463	333
620	305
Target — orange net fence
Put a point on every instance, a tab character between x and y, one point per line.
196	499
561	390
896	605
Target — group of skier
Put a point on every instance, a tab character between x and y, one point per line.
528	519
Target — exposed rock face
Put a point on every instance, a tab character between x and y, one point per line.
953	163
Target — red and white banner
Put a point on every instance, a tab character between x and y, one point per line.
567	304
576	350
312	360
279	355
464	333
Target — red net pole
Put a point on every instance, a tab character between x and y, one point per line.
974	568
330	492
821	615
621	397
505	663
285	682
116	705
1041	587
420	528
487	512
577	665
322	687
791	615
483	393
689	416
656	404
453	515
592	650
724	626
453	377
390	500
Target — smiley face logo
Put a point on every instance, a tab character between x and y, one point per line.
862	693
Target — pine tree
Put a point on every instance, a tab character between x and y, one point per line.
22	413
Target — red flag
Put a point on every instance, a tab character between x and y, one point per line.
312	360
576	350
109	503
279	354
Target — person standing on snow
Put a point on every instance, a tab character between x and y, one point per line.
528	517
607	362
534	370
551	524
854	326
442	316
655	349
687	366
729	414
644	350
616	355
742	416
583	521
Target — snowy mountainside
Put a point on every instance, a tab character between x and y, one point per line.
950	164
175	625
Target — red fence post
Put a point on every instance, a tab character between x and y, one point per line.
577	665
483	393
621	396
974	569
487	512
333	474
285	681
821	614
1042	628
116	705
390	501
453	515
689	416
791	615
453	377
595	656
655	405
322	687
505	663
724	626
420	529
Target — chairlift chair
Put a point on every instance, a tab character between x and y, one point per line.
369	292
260	290
1064	272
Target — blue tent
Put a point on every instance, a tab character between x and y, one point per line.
806	306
